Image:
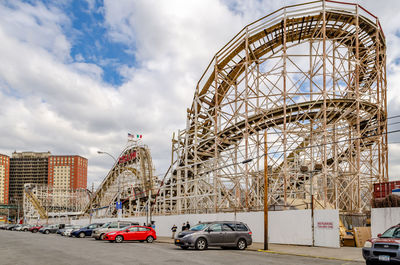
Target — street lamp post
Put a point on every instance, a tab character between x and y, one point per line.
119	210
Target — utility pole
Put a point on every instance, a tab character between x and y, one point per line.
265	191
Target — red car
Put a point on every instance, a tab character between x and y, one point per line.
34	229
140	233
385	249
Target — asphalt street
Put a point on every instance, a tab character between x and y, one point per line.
20	248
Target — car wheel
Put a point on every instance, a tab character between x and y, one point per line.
34	231
201	244
241	244
184	247
97	238
47	232
102	236
119	239
82	235
150	239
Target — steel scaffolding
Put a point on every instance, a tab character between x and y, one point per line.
313	76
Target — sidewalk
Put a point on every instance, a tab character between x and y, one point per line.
343	253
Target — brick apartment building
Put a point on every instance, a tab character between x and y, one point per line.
67	172
4	178
60	172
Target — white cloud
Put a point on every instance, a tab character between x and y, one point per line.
49	102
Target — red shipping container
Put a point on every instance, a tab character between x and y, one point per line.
383	189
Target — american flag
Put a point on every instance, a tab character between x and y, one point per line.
131	136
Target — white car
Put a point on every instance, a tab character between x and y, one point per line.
69	230
18	228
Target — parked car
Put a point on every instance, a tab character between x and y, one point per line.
383	249
35	228
99	233
86	230
69	230
139	233
11	226
17	227
221	234
49	229
25	228
62	229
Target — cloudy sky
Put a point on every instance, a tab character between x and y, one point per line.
77	75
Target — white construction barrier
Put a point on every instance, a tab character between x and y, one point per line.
326	228
383	218
284	227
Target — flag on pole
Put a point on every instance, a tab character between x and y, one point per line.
133	136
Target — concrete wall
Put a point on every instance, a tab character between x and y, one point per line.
383	218
284	227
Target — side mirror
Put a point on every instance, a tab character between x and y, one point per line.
379	235
209	230
126	230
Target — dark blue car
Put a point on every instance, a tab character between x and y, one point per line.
86	230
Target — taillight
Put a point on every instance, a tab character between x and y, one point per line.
250	233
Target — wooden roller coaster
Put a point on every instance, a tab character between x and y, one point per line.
313	76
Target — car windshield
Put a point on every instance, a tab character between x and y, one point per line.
105	225
198	227
393	232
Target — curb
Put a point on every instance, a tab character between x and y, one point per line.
306	255
286	253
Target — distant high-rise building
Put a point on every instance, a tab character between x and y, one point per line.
67	172
61	173
26	167
4	178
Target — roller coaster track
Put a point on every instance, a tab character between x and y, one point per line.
218	123
35	202
336	109
137	161
297	29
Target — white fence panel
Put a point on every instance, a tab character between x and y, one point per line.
290	227
326	228
383	218
284	227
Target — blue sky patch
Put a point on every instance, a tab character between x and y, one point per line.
91	44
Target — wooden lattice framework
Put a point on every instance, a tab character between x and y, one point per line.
313	76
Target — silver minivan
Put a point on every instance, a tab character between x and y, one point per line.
99	233
220	233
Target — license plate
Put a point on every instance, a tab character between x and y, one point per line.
384	258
